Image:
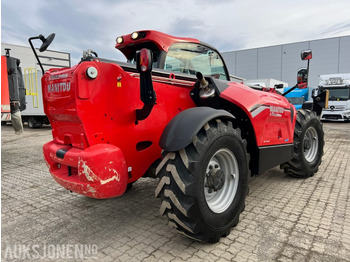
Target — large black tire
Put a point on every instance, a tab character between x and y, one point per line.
308	146
203	186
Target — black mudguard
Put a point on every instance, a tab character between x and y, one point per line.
180	131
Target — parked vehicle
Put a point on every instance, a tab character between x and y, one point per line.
111	121
12	92
34	113
339	96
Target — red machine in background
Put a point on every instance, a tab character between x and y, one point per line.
111	121
12	92
5	96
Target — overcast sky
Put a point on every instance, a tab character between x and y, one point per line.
226	24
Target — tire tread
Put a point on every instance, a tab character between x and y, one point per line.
179	193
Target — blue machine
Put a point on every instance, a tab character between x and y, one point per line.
297	97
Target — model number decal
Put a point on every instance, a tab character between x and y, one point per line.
58	87
61	76
276	111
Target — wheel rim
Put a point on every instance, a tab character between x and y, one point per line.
220	200
310	144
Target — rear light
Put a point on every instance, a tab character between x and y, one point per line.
145	60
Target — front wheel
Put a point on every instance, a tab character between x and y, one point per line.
203	186
308	146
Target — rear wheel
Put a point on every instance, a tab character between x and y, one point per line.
34	122
308	146
203	186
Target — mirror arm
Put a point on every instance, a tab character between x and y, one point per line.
290	90
34	51
144	62
308	67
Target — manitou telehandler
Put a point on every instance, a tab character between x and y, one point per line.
182	121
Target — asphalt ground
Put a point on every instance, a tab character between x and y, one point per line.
285	219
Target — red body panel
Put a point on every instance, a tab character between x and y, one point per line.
270	113
85	113
99	171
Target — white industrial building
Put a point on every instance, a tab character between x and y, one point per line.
48	58
330	56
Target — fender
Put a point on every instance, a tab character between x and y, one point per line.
180	131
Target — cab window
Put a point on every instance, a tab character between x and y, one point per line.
190	58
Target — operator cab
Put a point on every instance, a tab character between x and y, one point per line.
175	54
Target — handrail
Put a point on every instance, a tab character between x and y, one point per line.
31	85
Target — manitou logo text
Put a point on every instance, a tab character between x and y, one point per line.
58	87
276	111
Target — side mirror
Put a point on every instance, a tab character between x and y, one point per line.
302	75
302	78
306	54
46	42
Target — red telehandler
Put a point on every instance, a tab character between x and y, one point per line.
171	112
